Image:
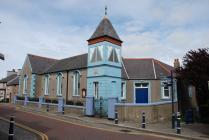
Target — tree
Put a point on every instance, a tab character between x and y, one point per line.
195	71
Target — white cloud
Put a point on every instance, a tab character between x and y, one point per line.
149	28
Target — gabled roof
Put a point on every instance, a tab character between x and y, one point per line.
8	78
39	64
105	28
14	81
71	63
147	68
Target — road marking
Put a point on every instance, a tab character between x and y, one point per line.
42	135
132	133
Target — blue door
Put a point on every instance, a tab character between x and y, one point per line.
141	95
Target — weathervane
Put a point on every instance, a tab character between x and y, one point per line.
106	10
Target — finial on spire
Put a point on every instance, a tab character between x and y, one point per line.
106	10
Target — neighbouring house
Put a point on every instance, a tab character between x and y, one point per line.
11	75
12	88
102	73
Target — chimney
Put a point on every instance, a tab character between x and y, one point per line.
11	72
176	63
18	72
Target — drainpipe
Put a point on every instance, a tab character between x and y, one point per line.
66	96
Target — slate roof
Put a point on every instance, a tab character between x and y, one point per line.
71	63
145	68
14	81
105	28
8	78
39	64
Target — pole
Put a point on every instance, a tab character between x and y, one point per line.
116	117
63	109
47	107
172	98
143	121
11	128
178	128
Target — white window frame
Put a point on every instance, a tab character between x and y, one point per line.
123	90
76	83
163	91
46	84
59	84
25	84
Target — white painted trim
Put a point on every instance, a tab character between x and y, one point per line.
153	64
125	69
149	90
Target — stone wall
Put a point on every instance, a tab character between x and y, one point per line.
154	113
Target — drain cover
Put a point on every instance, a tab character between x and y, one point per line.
125	130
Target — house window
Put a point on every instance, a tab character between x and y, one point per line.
123	90
113	56
59	84
25	84
46	85
97	56
166	91
96	90
76	83
141	85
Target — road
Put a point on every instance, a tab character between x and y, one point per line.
60	130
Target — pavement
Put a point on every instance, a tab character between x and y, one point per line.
94	128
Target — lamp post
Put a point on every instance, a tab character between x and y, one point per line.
172	98
170	84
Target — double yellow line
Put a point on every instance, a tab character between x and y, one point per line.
42	135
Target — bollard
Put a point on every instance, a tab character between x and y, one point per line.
173	120
11	128
47	107
116	117
63	109
100	107
143	121
178	128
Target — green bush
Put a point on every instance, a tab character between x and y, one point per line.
33	99
20	98
79	103
70	102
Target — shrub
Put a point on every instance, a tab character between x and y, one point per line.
54	101
33	99
20	98
79	103
70	102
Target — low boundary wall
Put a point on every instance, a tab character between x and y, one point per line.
68	109
154	112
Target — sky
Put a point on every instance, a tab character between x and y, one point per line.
160	29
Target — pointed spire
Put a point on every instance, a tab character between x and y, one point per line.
105	28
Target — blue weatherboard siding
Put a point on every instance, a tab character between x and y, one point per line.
32	85
106	73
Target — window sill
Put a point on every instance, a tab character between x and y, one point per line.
76	95
165	98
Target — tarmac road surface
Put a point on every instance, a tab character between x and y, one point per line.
60	130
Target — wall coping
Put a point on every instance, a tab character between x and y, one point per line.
73	106
149	104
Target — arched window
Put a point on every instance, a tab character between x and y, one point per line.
59	84
46	84
76	83
25	84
